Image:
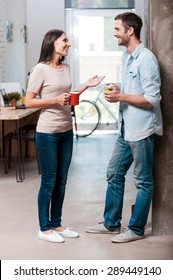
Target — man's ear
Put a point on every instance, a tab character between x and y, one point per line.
131	31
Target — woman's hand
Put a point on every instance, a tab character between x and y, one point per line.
94	81
63	99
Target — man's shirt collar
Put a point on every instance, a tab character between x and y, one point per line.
137	51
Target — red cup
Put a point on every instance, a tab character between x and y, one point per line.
74	98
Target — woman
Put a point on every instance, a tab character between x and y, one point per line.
50	81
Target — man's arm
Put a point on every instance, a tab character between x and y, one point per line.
114	95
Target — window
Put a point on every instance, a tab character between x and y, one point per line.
94	49
99	4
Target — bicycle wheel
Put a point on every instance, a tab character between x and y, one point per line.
87	118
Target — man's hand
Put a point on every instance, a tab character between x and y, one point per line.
112	94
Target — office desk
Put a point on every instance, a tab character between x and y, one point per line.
15	116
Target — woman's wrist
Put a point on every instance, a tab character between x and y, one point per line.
83	88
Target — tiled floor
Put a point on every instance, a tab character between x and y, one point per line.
84	203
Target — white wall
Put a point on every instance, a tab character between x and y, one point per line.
17	58
42	15
13	57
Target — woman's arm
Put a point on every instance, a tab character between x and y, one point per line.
92	82
63	99
32	102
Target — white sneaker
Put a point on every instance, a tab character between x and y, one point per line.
126	236
68	233
53	237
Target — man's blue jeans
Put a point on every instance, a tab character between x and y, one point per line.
142	153
55	152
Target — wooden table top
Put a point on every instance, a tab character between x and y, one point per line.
15	114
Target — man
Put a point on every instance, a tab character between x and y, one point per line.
139	119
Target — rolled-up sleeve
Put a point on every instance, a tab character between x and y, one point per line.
150	80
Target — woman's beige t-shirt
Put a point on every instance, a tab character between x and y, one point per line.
49	82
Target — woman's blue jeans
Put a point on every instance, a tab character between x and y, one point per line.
55	152
142	153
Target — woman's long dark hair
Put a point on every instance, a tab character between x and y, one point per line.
47	47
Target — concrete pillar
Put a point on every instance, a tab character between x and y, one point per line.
161	43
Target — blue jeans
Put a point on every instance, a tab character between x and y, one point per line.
142	153
55	152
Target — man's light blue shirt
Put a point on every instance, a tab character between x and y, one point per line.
141	76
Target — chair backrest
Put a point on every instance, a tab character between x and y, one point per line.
2	92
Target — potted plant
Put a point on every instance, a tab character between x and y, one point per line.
11	98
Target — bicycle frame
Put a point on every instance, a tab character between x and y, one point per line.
88	111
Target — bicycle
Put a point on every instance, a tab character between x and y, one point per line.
87	116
